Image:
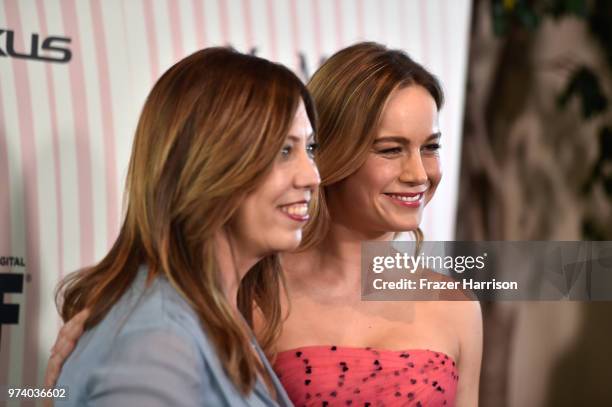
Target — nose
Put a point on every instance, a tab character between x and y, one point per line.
306	173
413	170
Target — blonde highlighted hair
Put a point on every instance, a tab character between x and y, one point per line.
350	91
208	134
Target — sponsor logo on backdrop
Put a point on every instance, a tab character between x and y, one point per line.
10	283
50	49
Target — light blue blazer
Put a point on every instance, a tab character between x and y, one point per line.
150	351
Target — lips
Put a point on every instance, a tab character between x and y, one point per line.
297	211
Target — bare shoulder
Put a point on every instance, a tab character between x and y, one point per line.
467	320
469	330
468	312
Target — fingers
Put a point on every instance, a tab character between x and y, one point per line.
56	361
82	316
72	330
53	370
65	343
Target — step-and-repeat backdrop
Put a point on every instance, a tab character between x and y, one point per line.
73	77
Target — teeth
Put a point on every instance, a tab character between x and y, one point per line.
300	209
406	198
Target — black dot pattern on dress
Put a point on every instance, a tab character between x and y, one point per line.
368	377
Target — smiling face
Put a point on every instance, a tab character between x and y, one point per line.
271	218
401	173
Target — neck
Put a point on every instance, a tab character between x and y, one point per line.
234	262
340	252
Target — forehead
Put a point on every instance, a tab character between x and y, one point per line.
301	123
410	111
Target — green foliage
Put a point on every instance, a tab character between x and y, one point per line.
604	160
528	14
591	229
506	14
584	84
510	16
560	8
600	25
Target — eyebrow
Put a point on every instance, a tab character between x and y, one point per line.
295	138
403	140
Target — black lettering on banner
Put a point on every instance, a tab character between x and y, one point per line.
2	54
47	46
51	46
9	313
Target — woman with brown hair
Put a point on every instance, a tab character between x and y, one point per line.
380	165
220	179
379	162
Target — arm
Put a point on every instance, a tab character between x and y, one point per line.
470	358
149	368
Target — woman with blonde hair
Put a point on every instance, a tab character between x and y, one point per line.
220	178
379	162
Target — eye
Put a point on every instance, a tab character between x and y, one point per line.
286	151
311	149
390	151
433	147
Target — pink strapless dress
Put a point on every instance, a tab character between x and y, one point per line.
344	376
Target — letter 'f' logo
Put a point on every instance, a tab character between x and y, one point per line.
9	313
9	283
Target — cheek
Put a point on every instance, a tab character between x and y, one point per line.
434	173
272	190
242	224
377	174
258	207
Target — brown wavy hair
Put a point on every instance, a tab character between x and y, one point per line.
350	91
208	135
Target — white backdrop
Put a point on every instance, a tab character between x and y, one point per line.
66	128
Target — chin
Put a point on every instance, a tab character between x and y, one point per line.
286	242
405	226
